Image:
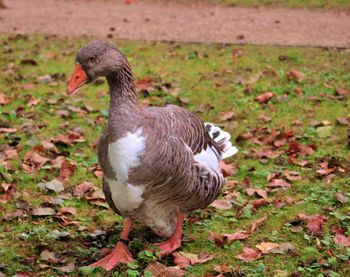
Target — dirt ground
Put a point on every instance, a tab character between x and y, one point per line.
159	21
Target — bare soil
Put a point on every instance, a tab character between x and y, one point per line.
169	21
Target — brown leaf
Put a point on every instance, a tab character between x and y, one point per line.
67	268
57	162
223	269
341	198
66	222
98	173
266	153
67	210
281	202
283	248
33	161
261	192
217	238
264	118
229	115
342	240
184	259
159	270
240	235
295	75
13	215
342	91
265	97
266	247
296	229
296	148
49	146
228	169
343	121
67	170
292	175
156	269
11	154
303	163
48	256
54	185
4	99
249	254
43	211
259	202
83	188
221	204
257	223
69	139
314	222
279	183
7	130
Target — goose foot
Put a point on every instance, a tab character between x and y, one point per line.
120	254
169	246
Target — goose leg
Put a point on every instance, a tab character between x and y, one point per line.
120	253
169	246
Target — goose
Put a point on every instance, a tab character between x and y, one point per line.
159	163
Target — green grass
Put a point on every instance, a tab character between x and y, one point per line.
205	74
309	4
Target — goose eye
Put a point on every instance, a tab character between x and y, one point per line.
92	58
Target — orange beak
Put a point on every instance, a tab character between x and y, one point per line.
78	79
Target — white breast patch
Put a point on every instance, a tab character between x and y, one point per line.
126	197
123	155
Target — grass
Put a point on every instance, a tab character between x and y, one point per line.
200	74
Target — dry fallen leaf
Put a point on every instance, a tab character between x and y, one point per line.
257	223
221	204
67	210
266	247
184	259
228	169
261	192
159	270
265	97
48	256
279	183
7	130
342	240
83	188
219	239
314	222
296	75
249	254
240	235
54	185
283	248
43	211
33	161
341	198
4	99
227	115
67	170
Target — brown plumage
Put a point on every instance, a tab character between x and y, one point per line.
156	161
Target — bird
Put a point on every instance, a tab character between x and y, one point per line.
159	163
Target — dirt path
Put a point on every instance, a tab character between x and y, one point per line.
177	22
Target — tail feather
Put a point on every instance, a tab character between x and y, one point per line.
222	139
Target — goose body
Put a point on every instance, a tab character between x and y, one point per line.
158	162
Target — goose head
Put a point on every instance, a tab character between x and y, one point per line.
94	60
